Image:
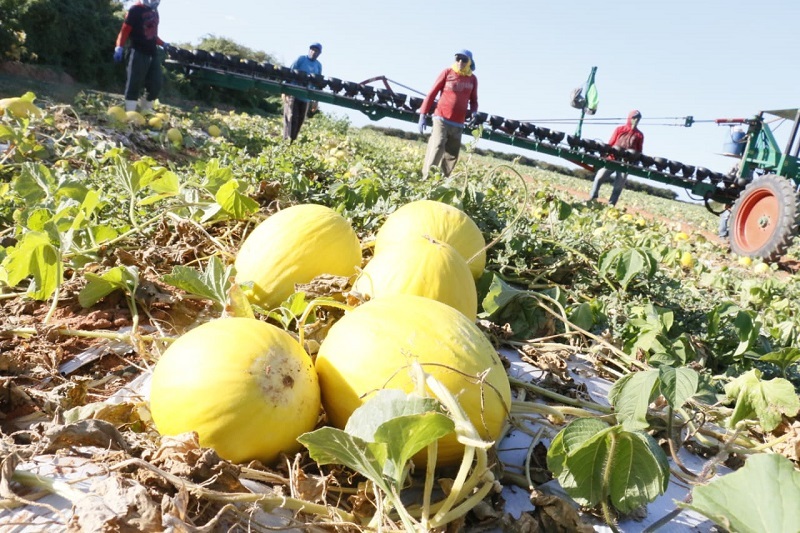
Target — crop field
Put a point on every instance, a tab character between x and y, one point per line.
214	329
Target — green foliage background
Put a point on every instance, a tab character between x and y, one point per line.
77	37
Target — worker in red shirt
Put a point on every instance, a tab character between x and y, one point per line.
627	137
457	87
144	66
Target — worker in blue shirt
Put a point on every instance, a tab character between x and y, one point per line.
294	108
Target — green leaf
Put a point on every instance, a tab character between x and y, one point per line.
678	384
766	400
215	177
520	309
569	439
165	185
583	316
329	445
98	287
6	133
761	497
38	219
405	423
47	271
625	264
127	175
103	233
631	395
746	330
91	200
383	406
627	467
639	471
213	283
784	358
35	256
234	202
404	436
74	190
34	183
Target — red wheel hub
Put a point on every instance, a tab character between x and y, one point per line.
757	220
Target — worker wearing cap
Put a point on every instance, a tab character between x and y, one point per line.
627	137
144	66
295	108
457	89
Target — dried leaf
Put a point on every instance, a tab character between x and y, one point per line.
97	433
116	504
557	515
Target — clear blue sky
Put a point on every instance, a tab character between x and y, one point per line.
705	58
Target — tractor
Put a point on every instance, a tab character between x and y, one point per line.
764	214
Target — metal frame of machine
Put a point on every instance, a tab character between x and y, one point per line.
763	191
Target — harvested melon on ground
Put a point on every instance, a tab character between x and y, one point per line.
440	221
294	246
421	266
175	136
246	387
20	107
117	113
373	346
136	118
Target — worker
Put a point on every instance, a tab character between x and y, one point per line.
724	219
627	137
294	107
144	65
457	87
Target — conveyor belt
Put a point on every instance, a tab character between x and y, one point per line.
377	103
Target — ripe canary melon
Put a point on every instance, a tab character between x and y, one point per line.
117	113
246	387
175	136
687	260
761	268
135	118
372	347
155	122
422	266
296	245
440	221
214	130
20	107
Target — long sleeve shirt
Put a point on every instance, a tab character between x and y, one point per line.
627	136
458	94
141	26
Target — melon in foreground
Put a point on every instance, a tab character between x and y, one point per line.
439	221
424	267
135	118
293	246
117	114
372	347
246	387
20	107
175	136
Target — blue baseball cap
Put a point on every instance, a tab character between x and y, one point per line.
316	46
469	55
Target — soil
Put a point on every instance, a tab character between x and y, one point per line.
35	73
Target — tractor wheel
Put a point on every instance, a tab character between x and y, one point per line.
764	218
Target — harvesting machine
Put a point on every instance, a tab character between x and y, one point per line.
762	191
